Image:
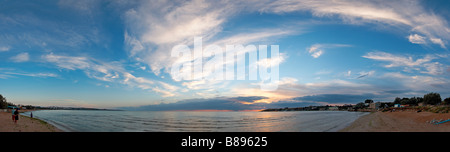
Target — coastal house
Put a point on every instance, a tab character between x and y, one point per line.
376	105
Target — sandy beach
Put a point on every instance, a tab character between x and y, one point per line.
405	121
24	124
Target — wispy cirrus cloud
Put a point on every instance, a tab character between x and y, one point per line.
406	15
423	65
317	50
8	74
417	83
439	42
4	48
150	35
22	30
21	57
153	28
109	72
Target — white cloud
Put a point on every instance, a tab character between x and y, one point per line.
417	82
423	65
110	72
257	35
417	39
397	61
41	75
168	86
317	50
67	62
433	68
134	44
22	57
438	41
402	14
153	28
317	54
204	84
267	62
4	48
163	92
21	30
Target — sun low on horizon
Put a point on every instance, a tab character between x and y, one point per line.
174	55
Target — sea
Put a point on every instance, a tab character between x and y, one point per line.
196	121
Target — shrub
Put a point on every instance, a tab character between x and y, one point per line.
432	98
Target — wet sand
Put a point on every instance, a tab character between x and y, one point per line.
405	121
24	124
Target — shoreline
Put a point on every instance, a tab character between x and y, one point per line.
25	124
402	121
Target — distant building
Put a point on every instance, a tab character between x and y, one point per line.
397	105
333	108
376	105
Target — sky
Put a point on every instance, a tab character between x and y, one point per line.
118	53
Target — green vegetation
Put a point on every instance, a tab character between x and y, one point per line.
432	98
368	101
414	101
360	105
431	102
446	101
3	103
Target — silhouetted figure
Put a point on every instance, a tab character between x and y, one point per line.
16	114
12	114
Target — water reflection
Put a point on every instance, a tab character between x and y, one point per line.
175	121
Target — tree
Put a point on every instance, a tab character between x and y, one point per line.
3	103
419	100
360	105
368	101
397	100
432	98
413	101
404	101
447	101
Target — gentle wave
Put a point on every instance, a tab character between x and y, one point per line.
162	121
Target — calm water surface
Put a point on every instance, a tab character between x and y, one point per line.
175	121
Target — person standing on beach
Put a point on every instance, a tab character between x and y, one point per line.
12	114
16	114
